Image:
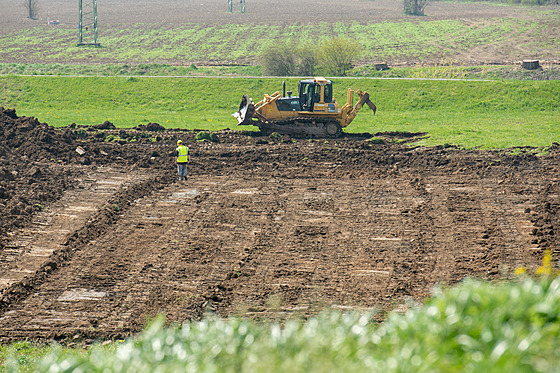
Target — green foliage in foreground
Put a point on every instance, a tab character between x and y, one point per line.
473	327
491	114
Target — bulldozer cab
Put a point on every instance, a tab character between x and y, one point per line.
311	92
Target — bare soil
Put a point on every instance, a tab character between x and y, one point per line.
94	245
172	13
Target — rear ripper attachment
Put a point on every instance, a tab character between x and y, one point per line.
314	113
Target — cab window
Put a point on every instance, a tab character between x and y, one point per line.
328	93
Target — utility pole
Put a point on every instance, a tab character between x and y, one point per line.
236	6
87	25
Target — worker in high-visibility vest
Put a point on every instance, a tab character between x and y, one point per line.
181	160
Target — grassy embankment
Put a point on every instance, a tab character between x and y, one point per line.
494	114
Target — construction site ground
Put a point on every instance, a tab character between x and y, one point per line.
97	238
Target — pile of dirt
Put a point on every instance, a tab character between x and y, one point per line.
33	141
30	139
39	162
29	178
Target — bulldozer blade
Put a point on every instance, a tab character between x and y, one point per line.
245	113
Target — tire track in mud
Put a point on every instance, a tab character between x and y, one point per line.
546	217
278	248
481	222
30	247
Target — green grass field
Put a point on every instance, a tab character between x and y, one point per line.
488	114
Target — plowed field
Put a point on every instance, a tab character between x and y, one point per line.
94	245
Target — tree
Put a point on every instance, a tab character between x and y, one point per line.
306	61
332	57
32	7
415	7
278	59
287	58
336	55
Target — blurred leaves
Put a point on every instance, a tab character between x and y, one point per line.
473	327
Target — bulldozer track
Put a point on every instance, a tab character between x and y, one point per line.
303	126
240	232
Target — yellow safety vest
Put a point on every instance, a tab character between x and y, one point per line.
182	154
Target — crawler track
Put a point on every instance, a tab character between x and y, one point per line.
303	127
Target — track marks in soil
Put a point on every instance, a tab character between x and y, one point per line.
29	248
268	248
290	240
482	224
75	221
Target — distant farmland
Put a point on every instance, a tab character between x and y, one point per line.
192	33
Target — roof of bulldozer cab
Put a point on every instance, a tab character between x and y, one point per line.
318	80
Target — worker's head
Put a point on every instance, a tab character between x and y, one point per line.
179	142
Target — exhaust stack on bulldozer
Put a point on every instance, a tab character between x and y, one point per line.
314	113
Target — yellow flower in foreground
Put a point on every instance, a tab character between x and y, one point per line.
546	268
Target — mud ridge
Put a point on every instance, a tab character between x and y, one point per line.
96	226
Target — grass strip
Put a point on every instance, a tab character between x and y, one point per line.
488	114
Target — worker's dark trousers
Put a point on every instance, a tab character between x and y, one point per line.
182	170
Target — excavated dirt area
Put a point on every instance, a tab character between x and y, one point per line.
98	237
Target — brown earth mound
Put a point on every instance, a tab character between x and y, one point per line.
97	236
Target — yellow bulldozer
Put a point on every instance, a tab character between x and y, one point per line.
314	113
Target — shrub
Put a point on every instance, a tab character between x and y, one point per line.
415	7
306	61
289	59
279	60
335	56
